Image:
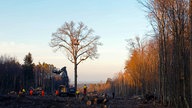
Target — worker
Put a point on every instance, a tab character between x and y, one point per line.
31	92
85	89
20	93
113	94
77	93
42	93
56	92
23	91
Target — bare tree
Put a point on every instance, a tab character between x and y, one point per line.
170	22
78	42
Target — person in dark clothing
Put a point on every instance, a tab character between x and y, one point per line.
113	94
85	89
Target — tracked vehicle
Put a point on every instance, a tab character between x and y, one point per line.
64	89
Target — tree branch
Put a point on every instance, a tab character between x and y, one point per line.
83	59
82	47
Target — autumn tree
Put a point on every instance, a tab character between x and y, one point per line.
163	66
142	66
140	76
44	77
78	42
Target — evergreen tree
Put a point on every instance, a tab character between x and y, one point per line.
28	71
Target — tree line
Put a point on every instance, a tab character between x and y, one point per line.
14	76
161	65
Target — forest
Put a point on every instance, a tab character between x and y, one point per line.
15	76
159	65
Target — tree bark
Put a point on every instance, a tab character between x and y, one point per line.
190	15
75	69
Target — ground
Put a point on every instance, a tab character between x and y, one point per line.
14	101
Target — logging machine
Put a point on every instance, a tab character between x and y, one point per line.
64	89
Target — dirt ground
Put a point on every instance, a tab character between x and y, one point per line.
70	102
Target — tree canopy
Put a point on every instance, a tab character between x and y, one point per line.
78	42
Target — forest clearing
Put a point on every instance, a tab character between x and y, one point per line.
150	71
14	101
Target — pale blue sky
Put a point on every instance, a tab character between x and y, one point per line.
27	25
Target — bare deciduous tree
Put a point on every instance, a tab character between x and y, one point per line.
78	42
170	22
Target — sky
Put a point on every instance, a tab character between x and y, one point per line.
27	26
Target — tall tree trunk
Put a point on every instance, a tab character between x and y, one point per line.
190	13
75	77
